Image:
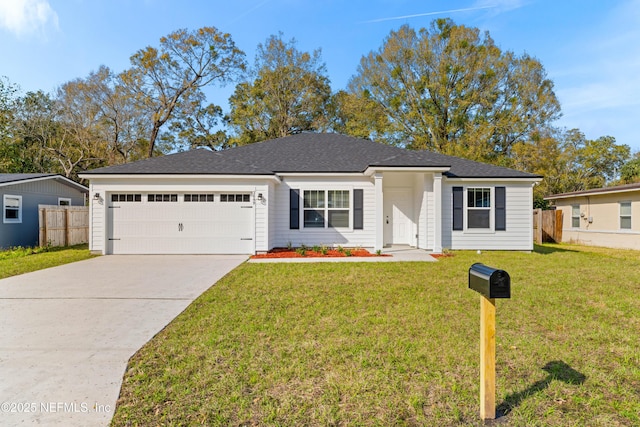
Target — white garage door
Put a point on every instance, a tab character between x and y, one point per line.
177	223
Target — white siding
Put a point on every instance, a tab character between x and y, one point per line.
283	235
519	217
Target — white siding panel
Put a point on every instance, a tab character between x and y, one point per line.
518	236
283	235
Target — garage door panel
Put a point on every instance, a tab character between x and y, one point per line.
182	227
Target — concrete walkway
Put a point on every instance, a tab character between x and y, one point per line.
400	253
67	333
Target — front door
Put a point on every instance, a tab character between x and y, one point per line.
398	208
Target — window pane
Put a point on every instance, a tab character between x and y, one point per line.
479	197
314	199
338	199
11	213
625	222
187	197
575	211
10	202
625	209
150	198
129	197
338	218
122	197
209	197
313	219
478	218
246	198
138	197
575	222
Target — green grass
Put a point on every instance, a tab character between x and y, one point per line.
380	344
24	260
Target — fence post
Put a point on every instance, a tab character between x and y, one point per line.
67	231
44	228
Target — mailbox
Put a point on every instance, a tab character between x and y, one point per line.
489	281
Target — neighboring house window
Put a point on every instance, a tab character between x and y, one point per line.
575	216
63	201
326	208
126	197
625	215
12	208
478	208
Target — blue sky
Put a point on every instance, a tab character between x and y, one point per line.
589	48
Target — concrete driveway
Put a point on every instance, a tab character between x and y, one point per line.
66	333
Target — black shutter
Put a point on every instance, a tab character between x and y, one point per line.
458	207
357	210
501	211
294	209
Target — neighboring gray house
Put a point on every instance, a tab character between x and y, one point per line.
308	189
21	194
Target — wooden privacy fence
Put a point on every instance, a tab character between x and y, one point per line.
547	226
63	225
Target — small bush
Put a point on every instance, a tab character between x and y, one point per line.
302	251
316	248
347	252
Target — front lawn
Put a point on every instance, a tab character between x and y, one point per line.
397	344
24	260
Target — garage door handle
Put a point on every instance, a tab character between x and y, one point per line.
246	238
180	227
113	239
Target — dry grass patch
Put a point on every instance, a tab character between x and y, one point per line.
397	344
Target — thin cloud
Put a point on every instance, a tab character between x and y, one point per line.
23	17
417	15
245	13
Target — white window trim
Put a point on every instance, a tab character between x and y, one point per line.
64	199
491	209
326	209
6	220
630	216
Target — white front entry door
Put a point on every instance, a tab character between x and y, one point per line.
398	208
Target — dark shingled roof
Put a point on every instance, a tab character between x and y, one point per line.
307	153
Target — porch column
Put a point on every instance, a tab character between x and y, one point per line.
379	212
437	213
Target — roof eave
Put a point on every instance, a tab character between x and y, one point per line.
90	176
60	178
371	170
587	193
533	179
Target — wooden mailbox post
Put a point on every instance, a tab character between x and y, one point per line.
491	283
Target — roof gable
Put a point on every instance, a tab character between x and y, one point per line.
308	153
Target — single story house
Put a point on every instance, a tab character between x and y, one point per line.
22	193
608	216
307	189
